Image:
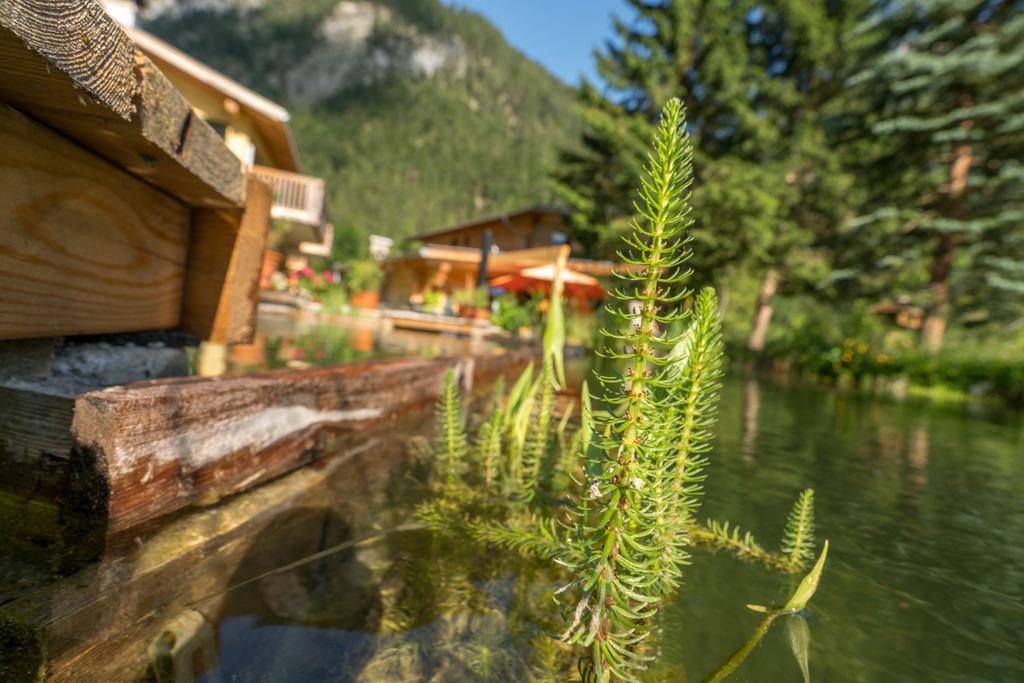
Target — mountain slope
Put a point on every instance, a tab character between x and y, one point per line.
417	115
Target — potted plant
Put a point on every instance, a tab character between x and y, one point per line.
273	257
434	302
473	303
364	277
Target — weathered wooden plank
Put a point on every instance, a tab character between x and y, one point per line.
164	445
68	64
35	444
224	261
84	247
144	451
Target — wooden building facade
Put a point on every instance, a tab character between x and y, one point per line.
449	259
536	226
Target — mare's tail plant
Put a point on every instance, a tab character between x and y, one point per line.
798	537
637	462
451	444
625	508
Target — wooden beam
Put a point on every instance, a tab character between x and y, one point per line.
68	64
140	452
35	447
161	446
96	470
223	273
84	247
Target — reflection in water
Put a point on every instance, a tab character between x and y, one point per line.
278	627
751	415
286	342
922	506
917	457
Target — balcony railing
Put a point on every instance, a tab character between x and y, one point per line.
297	197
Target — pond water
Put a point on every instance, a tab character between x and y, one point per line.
285	341
925	578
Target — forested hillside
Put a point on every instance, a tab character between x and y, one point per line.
417	114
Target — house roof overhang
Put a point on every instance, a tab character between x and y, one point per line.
498	218
270	118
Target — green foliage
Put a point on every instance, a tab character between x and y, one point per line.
692	379
531	537
489	442
808	586
725	536
635	464
797	602
451	444
936	138
798	537
755	77
539	434
472	298
364	275
513	314
620	574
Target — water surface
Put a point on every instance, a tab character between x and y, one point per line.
925	580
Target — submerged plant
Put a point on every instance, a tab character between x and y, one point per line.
798	538
451	445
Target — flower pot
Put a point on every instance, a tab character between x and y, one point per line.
474	313
365	300
272	261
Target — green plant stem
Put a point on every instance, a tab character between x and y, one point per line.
739	656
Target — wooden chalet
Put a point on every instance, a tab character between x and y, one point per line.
449	259
536	226
255	129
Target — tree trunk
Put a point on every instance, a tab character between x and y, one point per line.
763	313
933	329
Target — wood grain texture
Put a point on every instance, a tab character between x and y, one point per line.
84	247
164	445
68	64
82	41
222	280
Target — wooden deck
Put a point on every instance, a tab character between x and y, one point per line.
118	198
433	322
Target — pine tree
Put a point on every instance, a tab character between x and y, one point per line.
939	135
757	78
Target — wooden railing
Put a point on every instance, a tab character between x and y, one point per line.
297	197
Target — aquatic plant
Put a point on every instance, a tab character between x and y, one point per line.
798	538
451	446
642	475
623	529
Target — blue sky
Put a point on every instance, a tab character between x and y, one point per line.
560	34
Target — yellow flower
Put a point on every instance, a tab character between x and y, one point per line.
863	348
